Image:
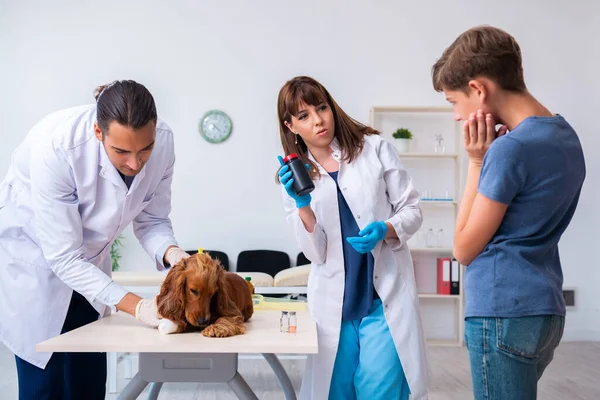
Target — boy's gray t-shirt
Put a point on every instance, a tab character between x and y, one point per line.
537	170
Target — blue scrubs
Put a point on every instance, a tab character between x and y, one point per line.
367	364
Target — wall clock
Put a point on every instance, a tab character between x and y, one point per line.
215	126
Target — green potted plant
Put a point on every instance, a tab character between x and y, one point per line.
115	254
402	136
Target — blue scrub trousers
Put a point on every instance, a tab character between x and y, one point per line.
367	365
67	376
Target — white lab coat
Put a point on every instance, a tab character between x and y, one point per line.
376	188
62	204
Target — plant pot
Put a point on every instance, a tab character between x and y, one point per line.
402	145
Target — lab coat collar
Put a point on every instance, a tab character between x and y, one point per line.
337	152
109	172
337	155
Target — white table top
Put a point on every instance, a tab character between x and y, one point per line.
123	333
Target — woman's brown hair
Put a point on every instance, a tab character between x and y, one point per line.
305	90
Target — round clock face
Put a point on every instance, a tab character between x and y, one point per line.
215	126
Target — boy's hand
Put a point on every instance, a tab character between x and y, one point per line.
479	133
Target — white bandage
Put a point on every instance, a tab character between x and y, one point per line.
166	326
147	312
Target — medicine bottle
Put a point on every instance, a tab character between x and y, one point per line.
303	184
248	279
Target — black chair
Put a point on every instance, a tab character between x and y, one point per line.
302	260
218	255
267	261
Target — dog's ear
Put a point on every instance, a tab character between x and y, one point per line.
171	299
225	305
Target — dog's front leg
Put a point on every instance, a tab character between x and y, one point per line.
225	327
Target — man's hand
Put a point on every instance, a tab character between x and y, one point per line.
146	311
174	254
479	133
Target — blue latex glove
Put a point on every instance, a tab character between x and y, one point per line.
369	237
285	177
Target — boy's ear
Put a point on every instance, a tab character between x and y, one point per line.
479	88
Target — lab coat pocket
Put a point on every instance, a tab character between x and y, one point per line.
16	242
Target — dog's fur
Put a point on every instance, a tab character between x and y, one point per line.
198	294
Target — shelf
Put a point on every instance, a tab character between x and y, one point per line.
411	109
432	249
439	296
428	155
438	202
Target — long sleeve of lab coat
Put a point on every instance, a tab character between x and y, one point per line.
152	226
404	199
59	227
313	244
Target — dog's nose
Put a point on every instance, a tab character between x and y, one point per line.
202	321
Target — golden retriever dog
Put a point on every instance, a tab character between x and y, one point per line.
198	294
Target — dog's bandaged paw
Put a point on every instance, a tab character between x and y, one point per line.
166	327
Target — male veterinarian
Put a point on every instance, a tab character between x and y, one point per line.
79	178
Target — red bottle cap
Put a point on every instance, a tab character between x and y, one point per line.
290	157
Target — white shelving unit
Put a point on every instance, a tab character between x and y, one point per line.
432	173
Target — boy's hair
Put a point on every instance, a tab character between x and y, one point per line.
480	51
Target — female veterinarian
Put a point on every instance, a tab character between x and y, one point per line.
353	228
79	178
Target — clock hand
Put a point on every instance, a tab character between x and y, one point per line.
214	126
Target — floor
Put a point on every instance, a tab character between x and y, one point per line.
573	375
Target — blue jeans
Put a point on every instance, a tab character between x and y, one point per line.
508	355
67	376
367	365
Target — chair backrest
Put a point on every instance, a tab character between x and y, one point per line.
267	261
218	255
302	260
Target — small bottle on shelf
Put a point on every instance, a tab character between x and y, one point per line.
430	238
439	238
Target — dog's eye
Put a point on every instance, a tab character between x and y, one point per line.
194	292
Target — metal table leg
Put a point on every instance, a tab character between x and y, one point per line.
134	388
282	376
154	390
241	388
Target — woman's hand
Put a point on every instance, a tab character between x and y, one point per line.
286	179
369	237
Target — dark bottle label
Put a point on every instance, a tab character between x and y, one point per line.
303	184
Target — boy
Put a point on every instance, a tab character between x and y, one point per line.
521	192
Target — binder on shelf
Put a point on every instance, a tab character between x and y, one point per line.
455	277
443	275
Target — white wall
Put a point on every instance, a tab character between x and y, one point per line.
199	55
